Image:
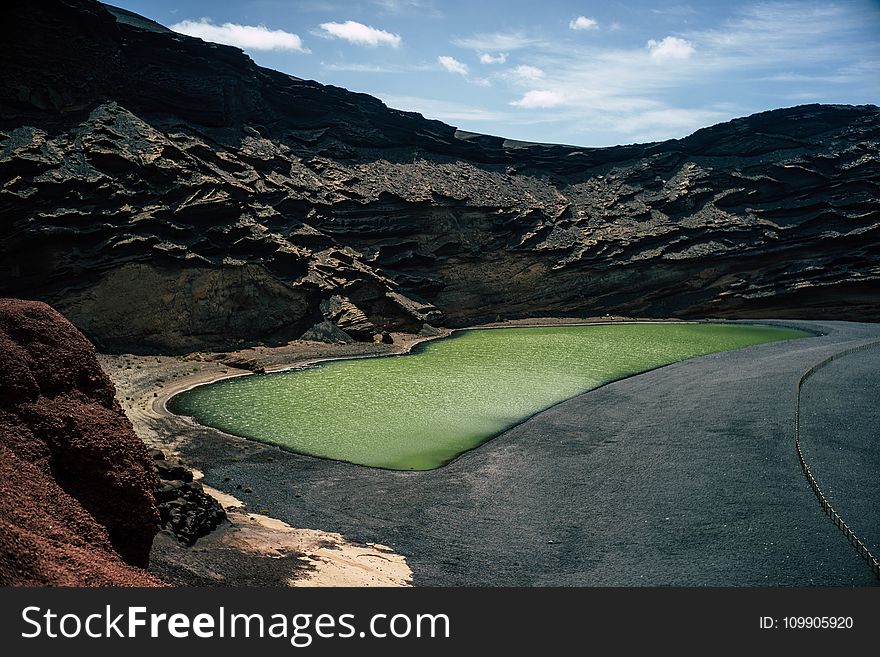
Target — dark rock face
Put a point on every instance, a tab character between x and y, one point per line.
76	483
165	192
184	508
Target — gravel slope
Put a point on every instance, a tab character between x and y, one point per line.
686	475
840	437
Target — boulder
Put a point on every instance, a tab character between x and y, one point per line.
186	511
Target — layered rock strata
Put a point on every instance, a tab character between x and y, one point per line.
166	193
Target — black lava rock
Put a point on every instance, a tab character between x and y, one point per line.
185	509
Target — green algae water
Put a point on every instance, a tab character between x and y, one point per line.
421	410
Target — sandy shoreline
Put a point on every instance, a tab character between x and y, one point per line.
596	491
319	557
302	521
144	385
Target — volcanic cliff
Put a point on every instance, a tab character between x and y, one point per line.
76	483
167	193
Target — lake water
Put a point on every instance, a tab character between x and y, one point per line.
421	410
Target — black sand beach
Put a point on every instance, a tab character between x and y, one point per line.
686	475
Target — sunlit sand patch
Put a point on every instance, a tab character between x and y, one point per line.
332	560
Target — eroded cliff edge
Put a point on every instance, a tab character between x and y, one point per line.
165	193
76	483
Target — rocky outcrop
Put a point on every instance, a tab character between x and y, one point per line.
185	510
168	193
76	483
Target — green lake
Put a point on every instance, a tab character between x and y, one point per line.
421	410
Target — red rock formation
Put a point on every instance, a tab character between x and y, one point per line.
76	483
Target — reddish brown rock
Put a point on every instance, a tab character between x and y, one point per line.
76	501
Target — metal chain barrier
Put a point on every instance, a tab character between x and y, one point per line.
856	542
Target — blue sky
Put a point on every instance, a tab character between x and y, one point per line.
586	73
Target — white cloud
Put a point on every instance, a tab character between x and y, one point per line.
358	67
452	65
670	48
603	94
772	33
247	37
442	109
404	6
528	73
600	93
360	34
669	122
495	41
486	58
678	11
482	82
538	98
583	23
